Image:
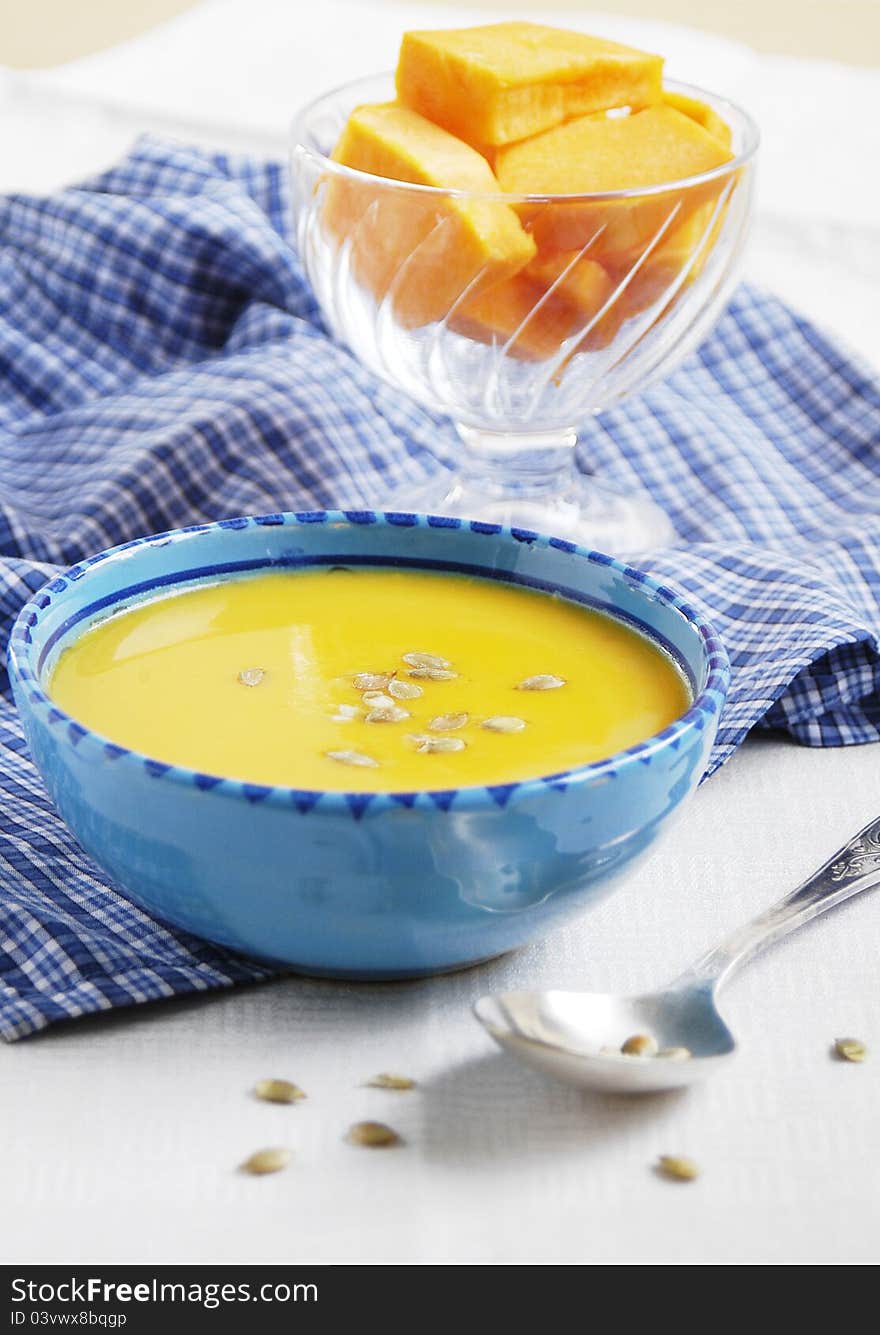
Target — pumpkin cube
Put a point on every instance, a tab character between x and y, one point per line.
420	250
684	247
701	113
514	314
503	82
579	279
596	154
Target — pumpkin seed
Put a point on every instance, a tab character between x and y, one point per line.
426	745
404	690
677	1167
544	681
266	1161
386	1081
675	1054
371	681
850	1049
447	722
377	699
639	1045
352	758
432	674
425	661
278	1091
504	723
375	1134
251	676
344	714
387	714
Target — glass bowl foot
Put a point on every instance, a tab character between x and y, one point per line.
539	489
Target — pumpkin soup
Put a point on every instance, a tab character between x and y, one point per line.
368	679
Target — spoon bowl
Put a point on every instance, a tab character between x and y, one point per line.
577	1036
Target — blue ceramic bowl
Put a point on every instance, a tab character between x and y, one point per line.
352	884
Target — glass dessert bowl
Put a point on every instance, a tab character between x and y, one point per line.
620	286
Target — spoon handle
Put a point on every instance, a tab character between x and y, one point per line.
854	868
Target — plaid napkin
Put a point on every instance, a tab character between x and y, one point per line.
162	362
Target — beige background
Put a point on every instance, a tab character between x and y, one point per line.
37	33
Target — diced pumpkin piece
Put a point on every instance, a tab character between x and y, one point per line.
601	153
685	246
702	113
597	154
420	250
587	287
579	279
535	323
503	82
510	311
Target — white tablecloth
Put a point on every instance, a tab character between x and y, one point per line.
123	1133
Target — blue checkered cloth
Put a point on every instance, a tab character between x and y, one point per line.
162	362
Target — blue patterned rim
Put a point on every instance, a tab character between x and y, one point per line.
707	703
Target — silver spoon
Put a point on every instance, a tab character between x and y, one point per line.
568	1034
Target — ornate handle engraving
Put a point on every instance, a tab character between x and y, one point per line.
863	855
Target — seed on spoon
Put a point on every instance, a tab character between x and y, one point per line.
435	745
374	1134
675	1054
371	681
404	690
266	1161
639	1045
386	1081
387	714
433	674
251	676
850	1049
278	1091
447	722
352	758
677	1167
503	723
425	661
543	681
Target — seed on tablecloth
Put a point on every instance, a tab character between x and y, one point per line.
850	1049
677	1167
266	1161
386	1081
376	1135
278	1091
